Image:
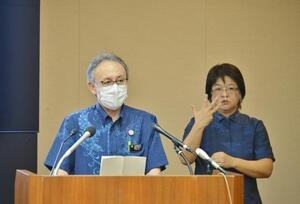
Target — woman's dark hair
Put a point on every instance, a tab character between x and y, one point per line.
220	71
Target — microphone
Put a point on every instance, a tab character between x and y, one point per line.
203	155
73	132
88	132
176	141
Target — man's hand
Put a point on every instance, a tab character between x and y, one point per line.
154	172
62	172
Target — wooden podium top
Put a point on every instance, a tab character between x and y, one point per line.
78	189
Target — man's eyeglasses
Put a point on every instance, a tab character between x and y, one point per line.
228	90
111	82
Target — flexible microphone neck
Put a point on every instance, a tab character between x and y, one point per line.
176	141
89	132
73	132
182	155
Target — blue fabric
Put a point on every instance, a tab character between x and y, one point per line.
239	136
110	139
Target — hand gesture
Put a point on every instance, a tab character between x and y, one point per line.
205	115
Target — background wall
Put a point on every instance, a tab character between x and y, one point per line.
169	47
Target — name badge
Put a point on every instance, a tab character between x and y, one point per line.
134	147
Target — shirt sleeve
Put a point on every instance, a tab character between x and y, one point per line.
188	128
156	157
64	131
263	147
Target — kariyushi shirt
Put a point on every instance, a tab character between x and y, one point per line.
239	136
111	138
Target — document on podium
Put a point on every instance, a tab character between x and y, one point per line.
122	166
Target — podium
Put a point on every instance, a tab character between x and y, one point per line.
31	188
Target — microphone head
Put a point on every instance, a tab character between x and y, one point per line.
91	130
202	154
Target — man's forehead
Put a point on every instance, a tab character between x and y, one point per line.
109	63
109	68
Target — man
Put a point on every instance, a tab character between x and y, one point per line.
120	129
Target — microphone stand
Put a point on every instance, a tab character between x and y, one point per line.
182	155
88	132
180	145
73	132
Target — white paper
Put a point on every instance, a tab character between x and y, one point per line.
122	166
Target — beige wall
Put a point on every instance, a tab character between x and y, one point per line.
169	46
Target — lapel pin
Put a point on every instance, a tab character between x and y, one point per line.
130	132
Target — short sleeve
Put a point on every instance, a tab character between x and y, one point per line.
263	147
156	157
64	131
188	128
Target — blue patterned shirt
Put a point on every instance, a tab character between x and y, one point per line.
111	138
239	136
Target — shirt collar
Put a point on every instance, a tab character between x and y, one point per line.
104	116
123	111
101	112
234	117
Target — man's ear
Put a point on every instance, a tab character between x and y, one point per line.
92	88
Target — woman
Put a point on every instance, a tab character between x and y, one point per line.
234	140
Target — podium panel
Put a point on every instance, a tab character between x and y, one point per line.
208	189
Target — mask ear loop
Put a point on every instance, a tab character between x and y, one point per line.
95	85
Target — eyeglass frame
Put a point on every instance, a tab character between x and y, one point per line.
228	90
106	83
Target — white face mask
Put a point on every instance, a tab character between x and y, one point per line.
112	97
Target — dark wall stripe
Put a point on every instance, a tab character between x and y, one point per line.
19	65
19	91
17	151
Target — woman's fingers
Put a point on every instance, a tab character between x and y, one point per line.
194	109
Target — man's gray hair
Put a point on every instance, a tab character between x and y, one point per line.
101	58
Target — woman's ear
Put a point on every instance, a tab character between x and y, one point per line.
240	102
